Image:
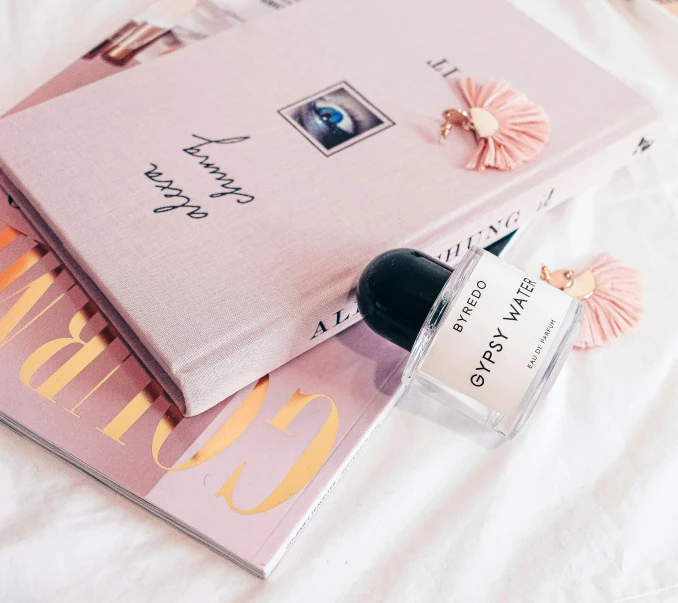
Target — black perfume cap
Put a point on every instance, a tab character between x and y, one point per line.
397	291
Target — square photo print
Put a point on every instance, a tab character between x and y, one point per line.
336	118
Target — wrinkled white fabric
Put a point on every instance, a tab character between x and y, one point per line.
583	508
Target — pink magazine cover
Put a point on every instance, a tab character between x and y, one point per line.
231	200
244	477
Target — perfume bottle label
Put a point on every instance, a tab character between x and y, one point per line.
497	334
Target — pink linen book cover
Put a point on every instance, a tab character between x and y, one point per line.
222	224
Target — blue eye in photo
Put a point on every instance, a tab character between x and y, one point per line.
329	122
334	119
334	116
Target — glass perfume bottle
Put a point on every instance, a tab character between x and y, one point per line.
486	338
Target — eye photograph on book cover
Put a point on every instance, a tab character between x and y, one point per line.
336	118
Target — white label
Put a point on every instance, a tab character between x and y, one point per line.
496	334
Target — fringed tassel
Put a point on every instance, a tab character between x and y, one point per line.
613	298
510	130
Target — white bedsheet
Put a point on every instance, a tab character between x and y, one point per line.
582	509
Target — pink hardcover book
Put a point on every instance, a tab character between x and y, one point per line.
221	211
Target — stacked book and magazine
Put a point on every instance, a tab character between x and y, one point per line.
182	240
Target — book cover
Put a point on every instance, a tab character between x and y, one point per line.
222	227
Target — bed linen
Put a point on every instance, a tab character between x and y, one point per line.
582	508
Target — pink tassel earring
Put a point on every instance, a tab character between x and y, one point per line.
509	129
612	294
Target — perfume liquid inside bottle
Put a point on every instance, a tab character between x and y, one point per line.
486	338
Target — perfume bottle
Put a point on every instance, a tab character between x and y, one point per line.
486	338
